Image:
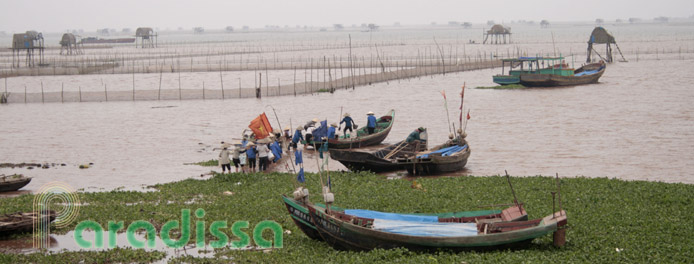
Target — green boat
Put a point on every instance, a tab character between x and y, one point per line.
531	65
299	211
361	137
361	233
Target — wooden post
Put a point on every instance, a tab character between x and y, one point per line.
179	84
221	80
78	87
294	80
42	92
62	88
133	81
106	92
203	90
25	94
160	74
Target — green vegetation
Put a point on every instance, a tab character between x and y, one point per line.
610	220
503	87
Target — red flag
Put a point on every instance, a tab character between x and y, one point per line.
443	92
468	114
260	126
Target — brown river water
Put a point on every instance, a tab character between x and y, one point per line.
636	124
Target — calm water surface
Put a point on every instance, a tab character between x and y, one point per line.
636	124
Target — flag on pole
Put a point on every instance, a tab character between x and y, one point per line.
301	178
443	92
462	97
298	158
468	114
261	126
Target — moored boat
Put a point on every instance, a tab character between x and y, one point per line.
299	211
13	182
587	74
547	72
19	222
360	137
358	233
448	157
381	160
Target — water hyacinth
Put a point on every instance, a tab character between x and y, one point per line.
610	220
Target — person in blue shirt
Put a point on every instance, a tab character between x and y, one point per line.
297	137
331	131
371	122
348	123
250	153
276	149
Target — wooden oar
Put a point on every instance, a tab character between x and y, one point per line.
397	149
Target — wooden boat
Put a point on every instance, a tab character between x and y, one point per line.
299	212
384	159
533	72
357	233
362	138
587	74
19	222
448	157
13	182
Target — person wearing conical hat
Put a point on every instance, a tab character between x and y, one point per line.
236	156
349	123
286	133
414	136
224	160
370	122
263	152
251	154
297	137
331	131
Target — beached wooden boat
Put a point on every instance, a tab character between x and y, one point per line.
20	222
13	182
299	211
344	231
360	137
381	160
547	72
444	158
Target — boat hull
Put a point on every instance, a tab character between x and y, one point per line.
14	185
361	141
343	234
437	164
550	80
382	160
506	79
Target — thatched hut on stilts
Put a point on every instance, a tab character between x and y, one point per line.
30	42
146	37
498	33
601	36
70	45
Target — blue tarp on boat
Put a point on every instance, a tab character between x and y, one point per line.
444	151
391	216
426	229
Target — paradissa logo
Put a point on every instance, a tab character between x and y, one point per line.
184	229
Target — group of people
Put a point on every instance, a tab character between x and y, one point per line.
247	153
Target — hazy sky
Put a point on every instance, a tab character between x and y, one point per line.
60	15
